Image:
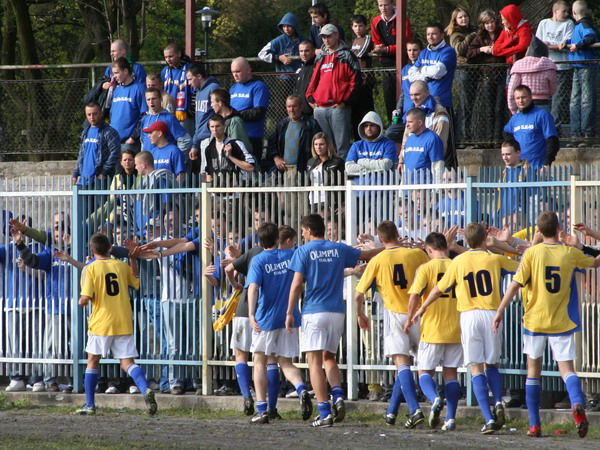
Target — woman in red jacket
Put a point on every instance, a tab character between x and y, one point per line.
515	37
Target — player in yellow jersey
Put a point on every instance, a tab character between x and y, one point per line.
440	333
393	271
551	315
110	327
476	275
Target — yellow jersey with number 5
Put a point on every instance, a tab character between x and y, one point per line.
550	295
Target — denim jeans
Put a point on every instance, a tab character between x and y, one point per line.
336	122
463	81
560	100
22	342
57	336
583	101
179	325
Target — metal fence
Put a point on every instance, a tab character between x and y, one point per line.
45	116
43	331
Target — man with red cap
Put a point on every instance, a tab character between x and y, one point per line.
166	155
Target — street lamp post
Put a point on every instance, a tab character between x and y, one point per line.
206	16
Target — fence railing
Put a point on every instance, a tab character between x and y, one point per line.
44	331
46	116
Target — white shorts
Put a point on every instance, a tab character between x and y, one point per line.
434	355
395	340
276	343
322	331
121	346
241	338
480	343
563	347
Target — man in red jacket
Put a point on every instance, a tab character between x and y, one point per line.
515	37
333	88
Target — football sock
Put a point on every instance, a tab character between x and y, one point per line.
243	378
90	382
396	397
324	409
136	372
532	399
428	386
337	392
495	382
299	388
480	389
273	385
409	388
452	391
574	389
261	407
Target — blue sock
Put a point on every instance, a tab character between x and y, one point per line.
337	392
532	399
453	394
243	378
261	407
299	388
428	387
409	389
495	382
324	409
136	372
273	385
90	382
480	389
574	389
396	397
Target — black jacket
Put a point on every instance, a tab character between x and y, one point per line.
303	76
276	145
334	168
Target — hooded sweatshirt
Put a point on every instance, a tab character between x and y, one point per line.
283	45
366	156
336	77
539	74
512	43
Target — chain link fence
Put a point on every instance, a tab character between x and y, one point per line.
45	117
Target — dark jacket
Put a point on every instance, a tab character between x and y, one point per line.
276	145
109	150
215	165
333	167
303	76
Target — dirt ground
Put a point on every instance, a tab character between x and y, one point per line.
109	429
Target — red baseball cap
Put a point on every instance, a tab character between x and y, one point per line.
158	125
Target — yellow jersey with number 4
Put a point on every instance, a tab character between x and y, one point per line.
476	275
550	295
107	282
393	271
441	322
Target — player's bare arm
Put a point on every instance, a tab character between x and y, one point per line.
84	300
252	300
363	320
413	302
510	293
432	297
293	301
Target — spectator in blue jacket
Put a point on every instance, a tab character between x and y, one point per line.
282	47
99	148
585	75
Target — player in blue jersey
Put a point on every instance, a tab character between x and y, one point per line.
551	304
321	264
269	283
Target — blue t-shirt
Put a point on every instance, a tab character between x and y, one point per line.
441	88
420	151
322	263
407	102
252	94
168	157
127	105
269	270
90	155
530	130
139	73
175	129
